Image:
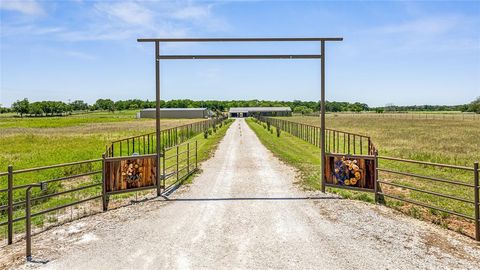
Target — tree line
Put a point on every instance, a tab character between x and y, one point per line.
56	108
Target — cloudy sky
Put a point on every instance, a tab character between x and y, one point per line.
393	51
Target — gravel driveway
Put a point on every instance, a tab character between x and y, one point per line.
243	211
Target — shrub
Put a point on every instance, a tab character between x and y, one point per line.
205	134
278	132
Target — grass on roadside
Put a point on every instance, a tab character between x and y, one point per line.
306	158
206	147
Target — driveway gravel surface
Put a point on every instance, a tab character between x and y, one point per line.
245	212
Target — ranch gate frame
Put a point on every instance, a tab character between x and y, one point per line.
321	56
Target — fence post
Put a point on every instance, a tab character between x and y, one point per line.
196	155
28	225
477	201
28	219
188	158
177	165
104	188
10	204
375	166
163	165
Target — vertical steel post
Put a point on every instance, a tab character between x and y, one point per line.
477	201
157	112
164	170
28	224
177	165
188	158
10	204
104	187
375	177
322	115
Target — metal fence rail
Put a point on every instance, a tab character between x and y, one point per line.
146	143
179	162
81	181
345	143
69	179
406	116
473	186
336	141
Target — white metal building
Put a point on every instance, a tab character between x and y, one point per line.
176	113
263	111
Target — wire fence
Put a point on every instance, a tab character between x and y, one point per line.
336	141
405	116
147	143
414	182
63	192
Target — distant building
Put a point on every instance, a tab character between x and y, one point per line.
176	113
263	111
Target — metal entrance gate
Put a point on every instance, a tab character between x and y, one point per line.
139	172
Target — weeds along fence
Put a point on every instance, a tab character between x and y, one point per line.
59	193
336	141
178	163
406	116
445	190
429	185
146	143
67	186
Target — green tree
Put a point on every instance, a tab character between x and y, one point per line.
474	106
21	106
79	105
36	109
105	104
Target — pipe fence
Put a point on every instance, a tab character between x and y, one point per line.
459	197
38	198
336	141
406	116
146	143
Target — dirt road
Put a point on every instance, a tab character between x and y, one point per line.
244	212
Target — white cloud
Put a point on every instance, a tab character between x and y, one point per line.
79	55
424	26
426	33
121	20
192	12
27	7
127	12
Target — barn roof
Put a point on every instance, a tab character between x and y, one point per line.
176	109
259	109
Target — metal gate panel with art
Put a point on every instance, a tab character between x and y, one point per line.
350	171
129	173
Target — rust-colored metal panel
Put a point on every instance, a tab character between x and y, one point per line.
122	174
352	171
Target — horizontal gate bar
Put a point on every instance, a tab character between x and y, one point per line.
427	192
236	39
426	177
426	205
233	56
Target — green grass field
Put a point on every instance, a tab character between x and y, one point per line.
32	142
66	142
443	141
457	144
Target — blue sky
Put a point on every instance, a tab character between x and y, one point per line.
393	52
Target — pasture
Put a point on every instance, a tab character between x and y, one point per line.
32	142
47	141
439	141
